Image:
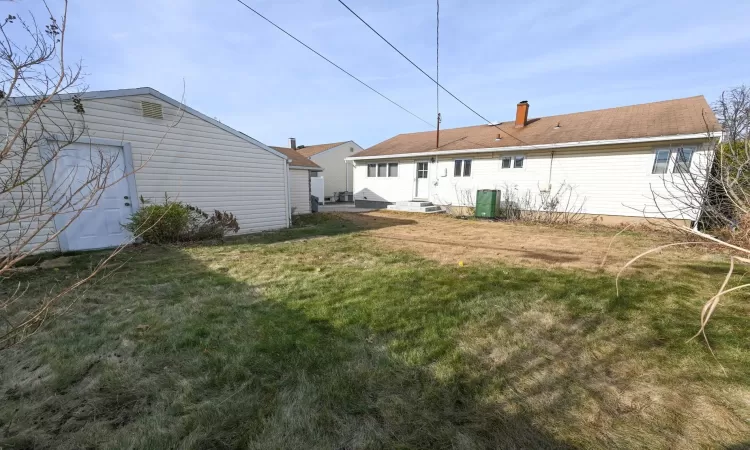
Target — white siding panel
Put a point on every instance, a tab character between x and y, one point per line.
336	170
194	161
605	181
299	184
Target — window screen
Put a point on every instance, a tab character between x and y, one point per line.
457	167
371	170
393	169
462	168
661	161
467	167
518	162
682	162
382	170
506	162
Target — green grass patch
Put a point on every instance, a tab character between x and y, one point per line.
284	341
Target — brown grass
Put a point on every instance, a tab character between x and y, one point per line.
449	240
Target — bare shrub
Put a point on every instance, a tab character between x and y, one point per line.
465	202
717	188
545	205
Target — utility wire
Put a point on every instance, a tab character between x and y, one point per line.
489	122
331	62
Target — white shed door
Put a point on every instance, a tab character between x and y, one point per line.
97	215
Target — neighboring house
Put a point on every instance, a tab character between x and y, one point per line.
332	158
193	159
301	170
616	160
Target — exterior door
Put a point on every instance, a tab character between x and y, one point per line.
422	185
94	208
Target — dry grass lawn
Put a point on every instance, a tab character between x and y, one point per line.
361	332
447	240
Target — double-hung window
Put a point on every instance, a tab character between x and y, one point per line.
682	160
372	170
462	168
506	162
661	161
382	170
392	169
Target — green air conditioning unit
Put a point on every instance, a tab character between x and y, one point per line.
488	203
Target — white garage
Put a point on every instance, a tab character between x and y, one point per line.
157	147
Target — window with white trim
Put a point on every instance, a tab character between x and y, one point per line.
682	160
505	162
661	161
382	170
462	168
518	162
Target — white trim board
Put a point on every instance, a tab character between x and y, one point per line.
562	145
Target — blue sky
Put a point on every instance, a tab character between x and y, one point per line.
561	56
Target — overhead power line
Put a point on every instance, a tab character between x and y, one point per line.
331	62
489	122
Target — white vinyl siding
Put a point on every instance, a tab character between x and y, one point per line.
615	180
299	186
194	162
337	171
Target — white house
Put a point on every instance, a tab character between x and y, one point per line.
301	170
175	150
620	163
332	158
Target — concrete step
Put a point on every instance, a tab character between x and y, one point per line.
414	203
431	209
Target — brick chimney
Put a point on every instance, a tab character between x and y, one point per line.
293	143
522	114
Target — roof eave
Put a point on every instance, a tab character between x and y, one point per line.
561	145
314	169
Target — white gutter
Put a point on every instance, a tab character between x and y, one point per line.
515	148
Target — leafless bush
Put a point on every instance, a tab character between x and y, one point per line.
44	186
465	202
717	188
561	205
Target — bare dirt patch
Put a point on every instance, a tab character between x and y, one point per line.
450	241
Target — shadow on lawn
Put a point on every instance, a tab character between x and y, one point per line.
195	358
186	355
320	224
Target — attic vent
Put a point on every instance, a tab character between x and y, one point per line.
152	110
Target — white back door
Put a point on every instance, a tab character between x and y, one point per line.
422	183
94	208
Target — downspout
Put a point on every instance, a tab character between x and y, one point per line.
437	178
549	177
288	194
